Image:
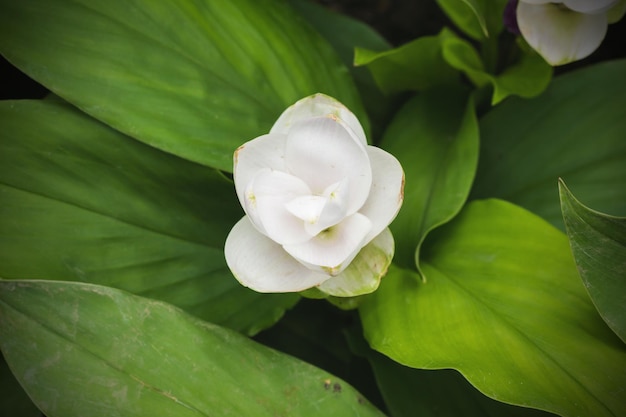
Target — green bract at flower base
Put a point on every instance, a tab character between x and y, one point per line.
318	200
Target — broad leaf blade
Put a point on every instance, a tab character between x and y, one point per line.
81	349
410	392
80	201
598	242
574	131
195	78
503	304
435	138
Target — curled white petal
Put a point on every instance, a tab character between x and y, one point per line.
262	265
322	152
266	201
316	106
386	193
332	250
262	153
559	35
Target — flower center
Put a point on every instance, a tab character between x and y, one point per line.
320	212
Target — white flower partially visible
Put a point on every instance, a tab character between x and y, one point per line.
318	200
569	30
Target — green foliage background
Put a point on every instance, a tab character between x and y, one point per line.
506	296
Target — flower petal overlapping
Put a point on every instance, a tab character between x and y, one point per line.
568	30
316	195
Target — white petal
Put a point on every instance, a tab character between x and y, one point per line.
307	208
315	106
266	201
322	152
560	36
332	250
365	271
540	1
264	152
386	193
262	265
590	6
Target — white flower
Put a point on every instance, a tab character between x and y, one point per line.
318	201
569	30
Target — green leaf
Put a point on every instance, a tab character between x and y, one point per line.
410	392
598	242
417	65
575	130
479	19
81	349
435	137
503	304
83	202
527	78
196	78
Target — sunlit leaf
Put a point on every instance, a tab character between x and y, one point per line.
575	130
435	138
598	242
196	78
83	202
504	305
81	349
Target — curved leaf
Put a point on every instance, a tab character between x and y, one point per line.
527	78
83	202
479	19
435	138
598	242
575	130
503	304
410	392
81	349
195	78
417	65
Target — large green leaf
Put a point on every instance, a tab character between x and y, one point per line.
81	349
598	242
80	201
410	392
504	305
575	130
435	138
196	78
